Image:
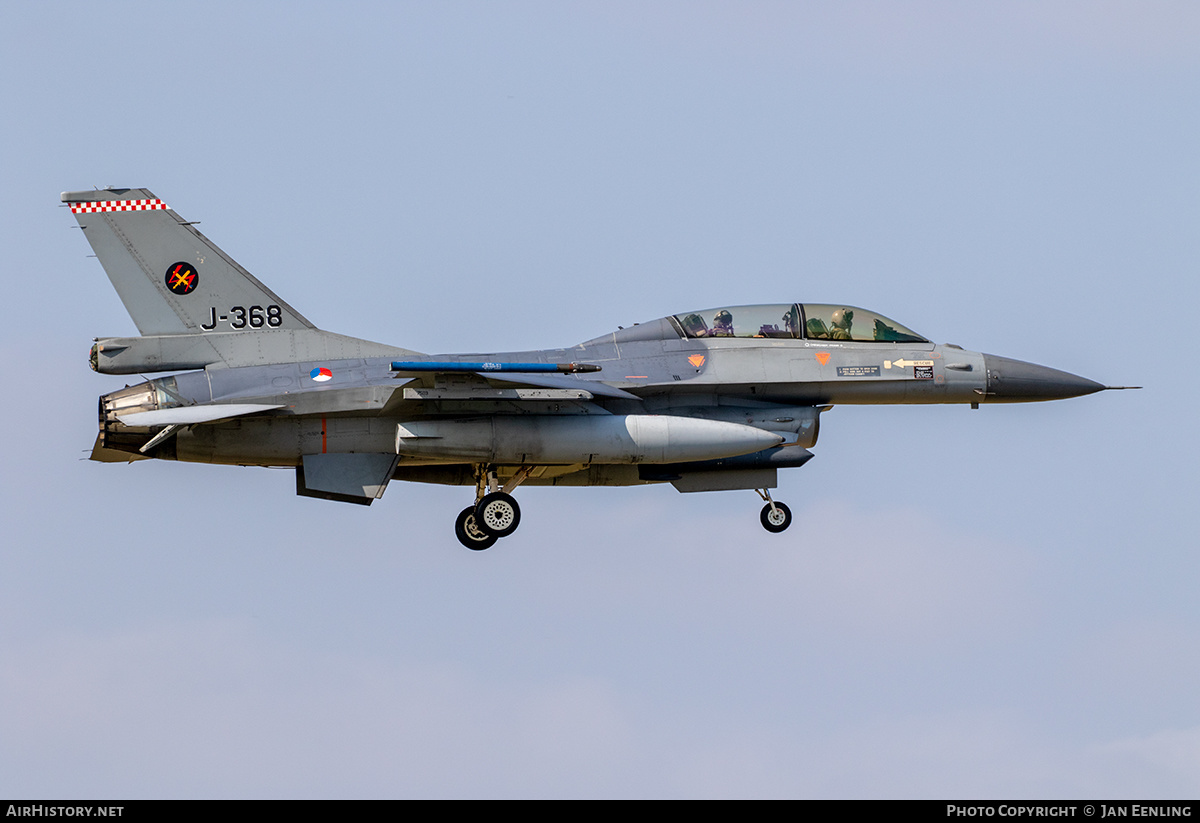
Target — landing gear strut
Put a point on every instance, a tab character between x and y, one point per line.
775	517
495	513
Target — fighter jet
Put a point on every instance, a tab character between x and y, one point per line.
706	400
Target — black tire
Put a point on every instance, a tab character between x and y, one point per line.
497	514
469	534
777	520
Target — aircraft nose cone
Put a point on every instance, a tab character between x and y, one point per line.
1015	381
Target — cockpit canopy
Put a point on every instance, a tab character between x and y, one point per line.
796	321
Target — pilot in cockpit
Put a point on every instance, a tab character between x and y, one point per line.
722	324
841	321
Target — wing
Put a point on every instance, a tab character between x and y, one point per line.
542	375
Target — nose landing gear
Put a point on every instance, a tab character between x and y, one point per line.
775	517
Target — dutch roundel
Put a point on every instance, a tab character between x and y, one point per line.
320	374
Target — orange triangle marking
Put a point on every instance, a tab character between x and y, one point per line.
822	357
696	360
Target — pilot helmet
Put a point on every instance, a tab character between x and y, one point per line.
723	318
842	318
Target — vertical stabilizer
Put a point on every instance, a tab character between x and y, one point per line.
171	278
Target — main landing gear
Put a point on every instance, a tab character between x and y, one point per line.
775	517
495	513
471	535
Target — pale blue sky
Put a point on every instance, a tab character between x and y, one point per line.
988	603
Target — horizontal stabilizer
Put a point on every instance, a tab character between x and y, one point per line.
190	415
105	455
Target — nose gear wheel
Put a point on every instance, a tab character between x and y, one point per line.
776	519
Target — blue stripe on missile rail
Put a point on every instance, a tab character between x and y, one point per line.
450	366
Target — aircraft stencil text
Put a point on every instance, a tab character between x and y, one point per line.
239	317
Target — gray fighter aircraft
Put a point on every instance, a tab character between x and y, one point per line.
706	400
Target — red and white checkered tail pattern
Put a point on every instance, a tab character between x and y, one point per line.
117	205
